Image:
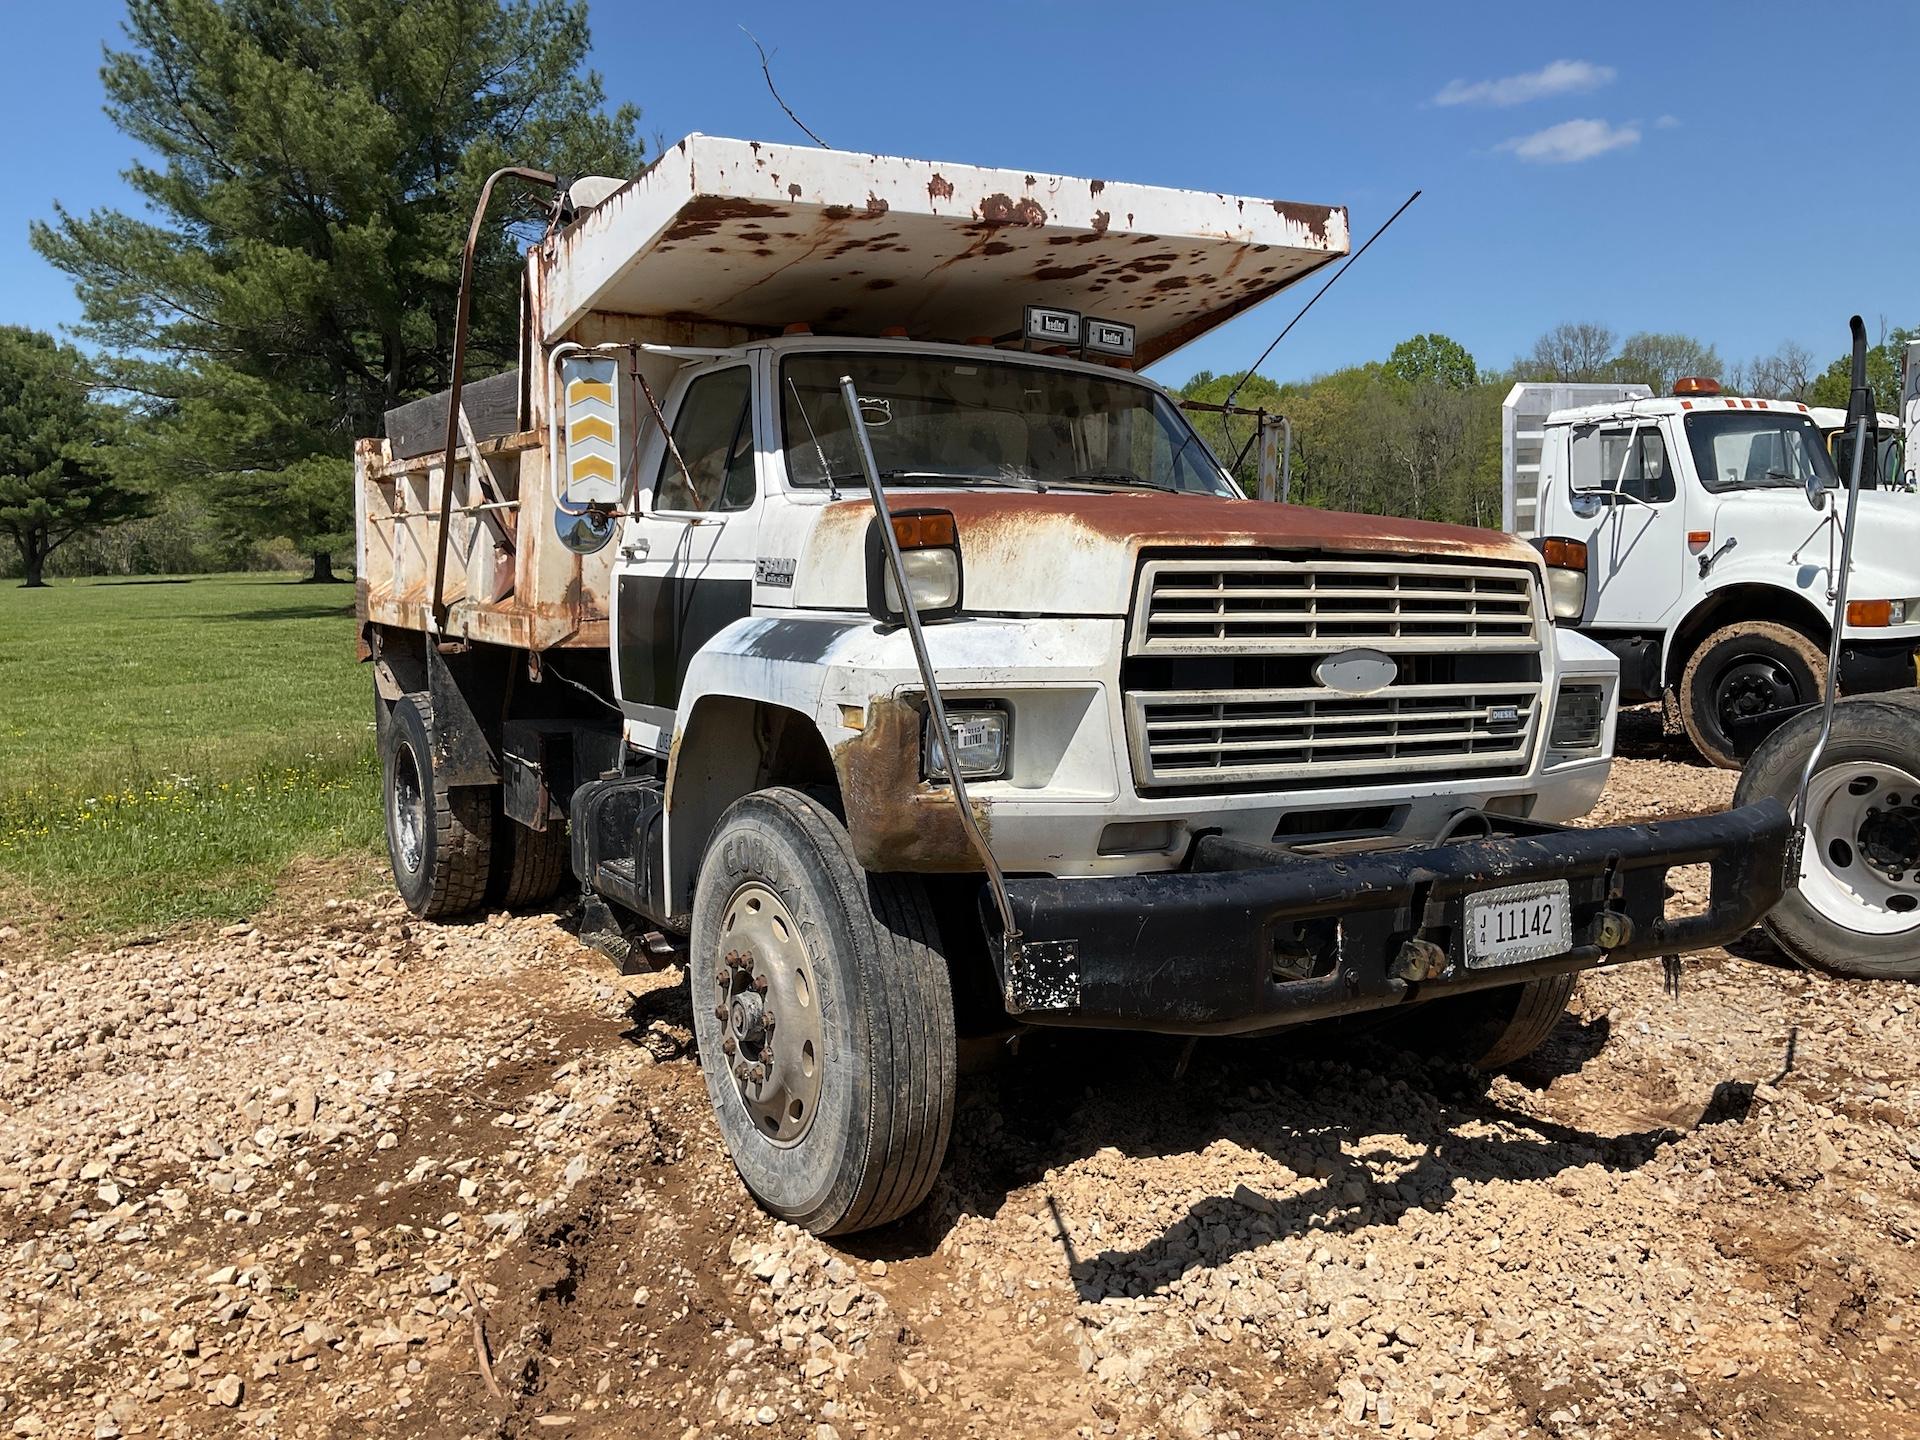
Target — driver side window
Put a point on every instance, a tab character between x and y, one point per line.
1633	461
714	433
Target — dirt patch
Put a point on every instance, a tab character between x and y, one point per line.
248	1177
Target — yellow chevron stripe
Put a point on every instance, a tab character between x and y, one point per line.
590	427
592	467
589	390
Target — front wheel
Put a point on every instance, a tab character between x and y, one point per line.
1739	674
1484	1029
824	1014
1855	908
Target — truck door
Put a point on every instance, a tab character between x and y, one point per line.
1626	495
685	567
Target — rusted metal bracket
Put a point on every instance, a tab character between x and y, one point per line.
996	878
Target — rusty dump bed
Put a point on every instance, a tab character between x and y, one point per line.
759	236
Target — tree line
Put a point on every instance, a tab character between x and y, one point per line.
308	168
1418	434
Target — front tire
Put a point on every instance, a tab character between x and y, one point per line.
1485	1029
1855	908
1741	672
439	837
824	1015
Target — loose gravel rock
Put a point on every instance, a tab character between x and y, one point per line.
294	1177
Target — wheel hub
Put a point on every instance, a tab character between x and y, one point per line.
1862	861
409	809
1755	687
771	1038
1890	839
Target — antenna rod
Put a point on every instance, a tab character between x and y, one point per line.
1317	294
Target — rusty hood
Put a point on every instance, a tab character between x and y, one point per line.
1076	553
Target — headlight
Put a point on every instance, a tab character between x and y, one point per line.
1578	718
1567	593
933	579
1566	576
979	743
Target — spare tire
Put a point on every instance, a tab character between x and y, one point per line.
1855	907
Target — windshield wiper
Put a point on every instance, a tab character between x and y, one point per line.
1114	477
958	477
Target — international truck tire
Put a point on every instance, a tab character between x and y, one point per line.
528	865
824	1016
1745	670
439	837
1485	1029
1855	909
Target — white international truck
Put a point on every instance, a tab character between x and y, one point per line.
829	596
1678	534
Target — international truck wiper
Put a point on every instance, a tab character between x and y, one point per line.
1115	477
957	477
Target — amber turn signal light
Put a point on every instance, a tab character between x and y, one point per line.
1871	614
1565	554
924	530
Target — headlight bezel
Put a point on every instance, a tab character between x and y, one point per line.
1585	690
919	533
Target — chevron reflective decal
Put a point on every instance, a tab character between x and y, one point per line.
593	428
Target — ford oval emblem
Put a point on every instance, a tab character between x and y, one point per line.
1357	672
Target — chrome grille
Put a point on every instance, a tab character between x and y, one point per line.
1277	618
1188	607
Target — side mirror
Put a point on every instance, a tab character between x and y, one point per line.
1816	490
584	532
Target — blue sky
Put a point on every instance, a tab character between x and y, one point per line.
1666	169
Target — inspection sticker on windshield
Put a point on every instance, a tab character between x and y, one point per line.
1519	923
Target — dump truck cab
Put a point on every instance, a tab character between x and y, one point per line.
831	598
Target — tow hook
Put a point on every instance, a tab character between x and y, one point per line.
1419	960
1611	930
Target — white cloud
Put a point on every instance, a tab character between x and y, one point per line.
1559	77
1667	122
1571	140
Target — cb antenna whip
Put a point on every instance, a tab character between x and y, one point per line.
1318	293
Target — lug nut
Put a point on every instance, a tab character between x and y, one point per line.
727	1047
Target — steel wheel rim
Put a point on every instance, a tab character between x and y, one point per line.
1752	686
767	1003
1853	810
408	810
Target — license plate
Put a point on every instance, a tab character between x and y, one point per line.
1519	923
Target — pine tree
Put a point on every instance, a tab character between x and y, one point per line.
56	479
312	165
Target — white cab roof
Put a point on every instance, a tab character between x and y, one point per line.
756	237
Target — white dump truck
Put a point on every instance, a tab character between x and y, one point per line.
1678	534
829	597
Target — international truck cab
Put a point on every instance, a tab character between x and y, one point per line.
1696	536
830	598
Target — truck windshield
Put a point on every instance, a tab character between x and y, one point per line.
1756	449
941	419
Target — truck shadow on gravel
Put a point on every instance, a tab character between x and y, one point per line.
1335	1145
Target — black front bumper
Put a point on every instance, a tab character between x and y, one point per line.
1255	937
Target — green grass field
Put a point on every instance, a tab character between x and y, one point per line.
167	746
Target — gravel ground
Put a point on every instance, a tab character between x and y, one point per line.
285	1178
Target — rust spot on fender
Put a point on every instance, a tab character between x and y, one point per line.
896	820
1101	219
793	192
1061	272
1094	187
876	207
939	187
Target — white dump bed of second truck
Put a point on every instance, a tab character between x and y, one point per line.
725	242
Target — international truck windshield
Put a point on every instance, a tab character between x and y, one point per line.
944	420
1756	449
